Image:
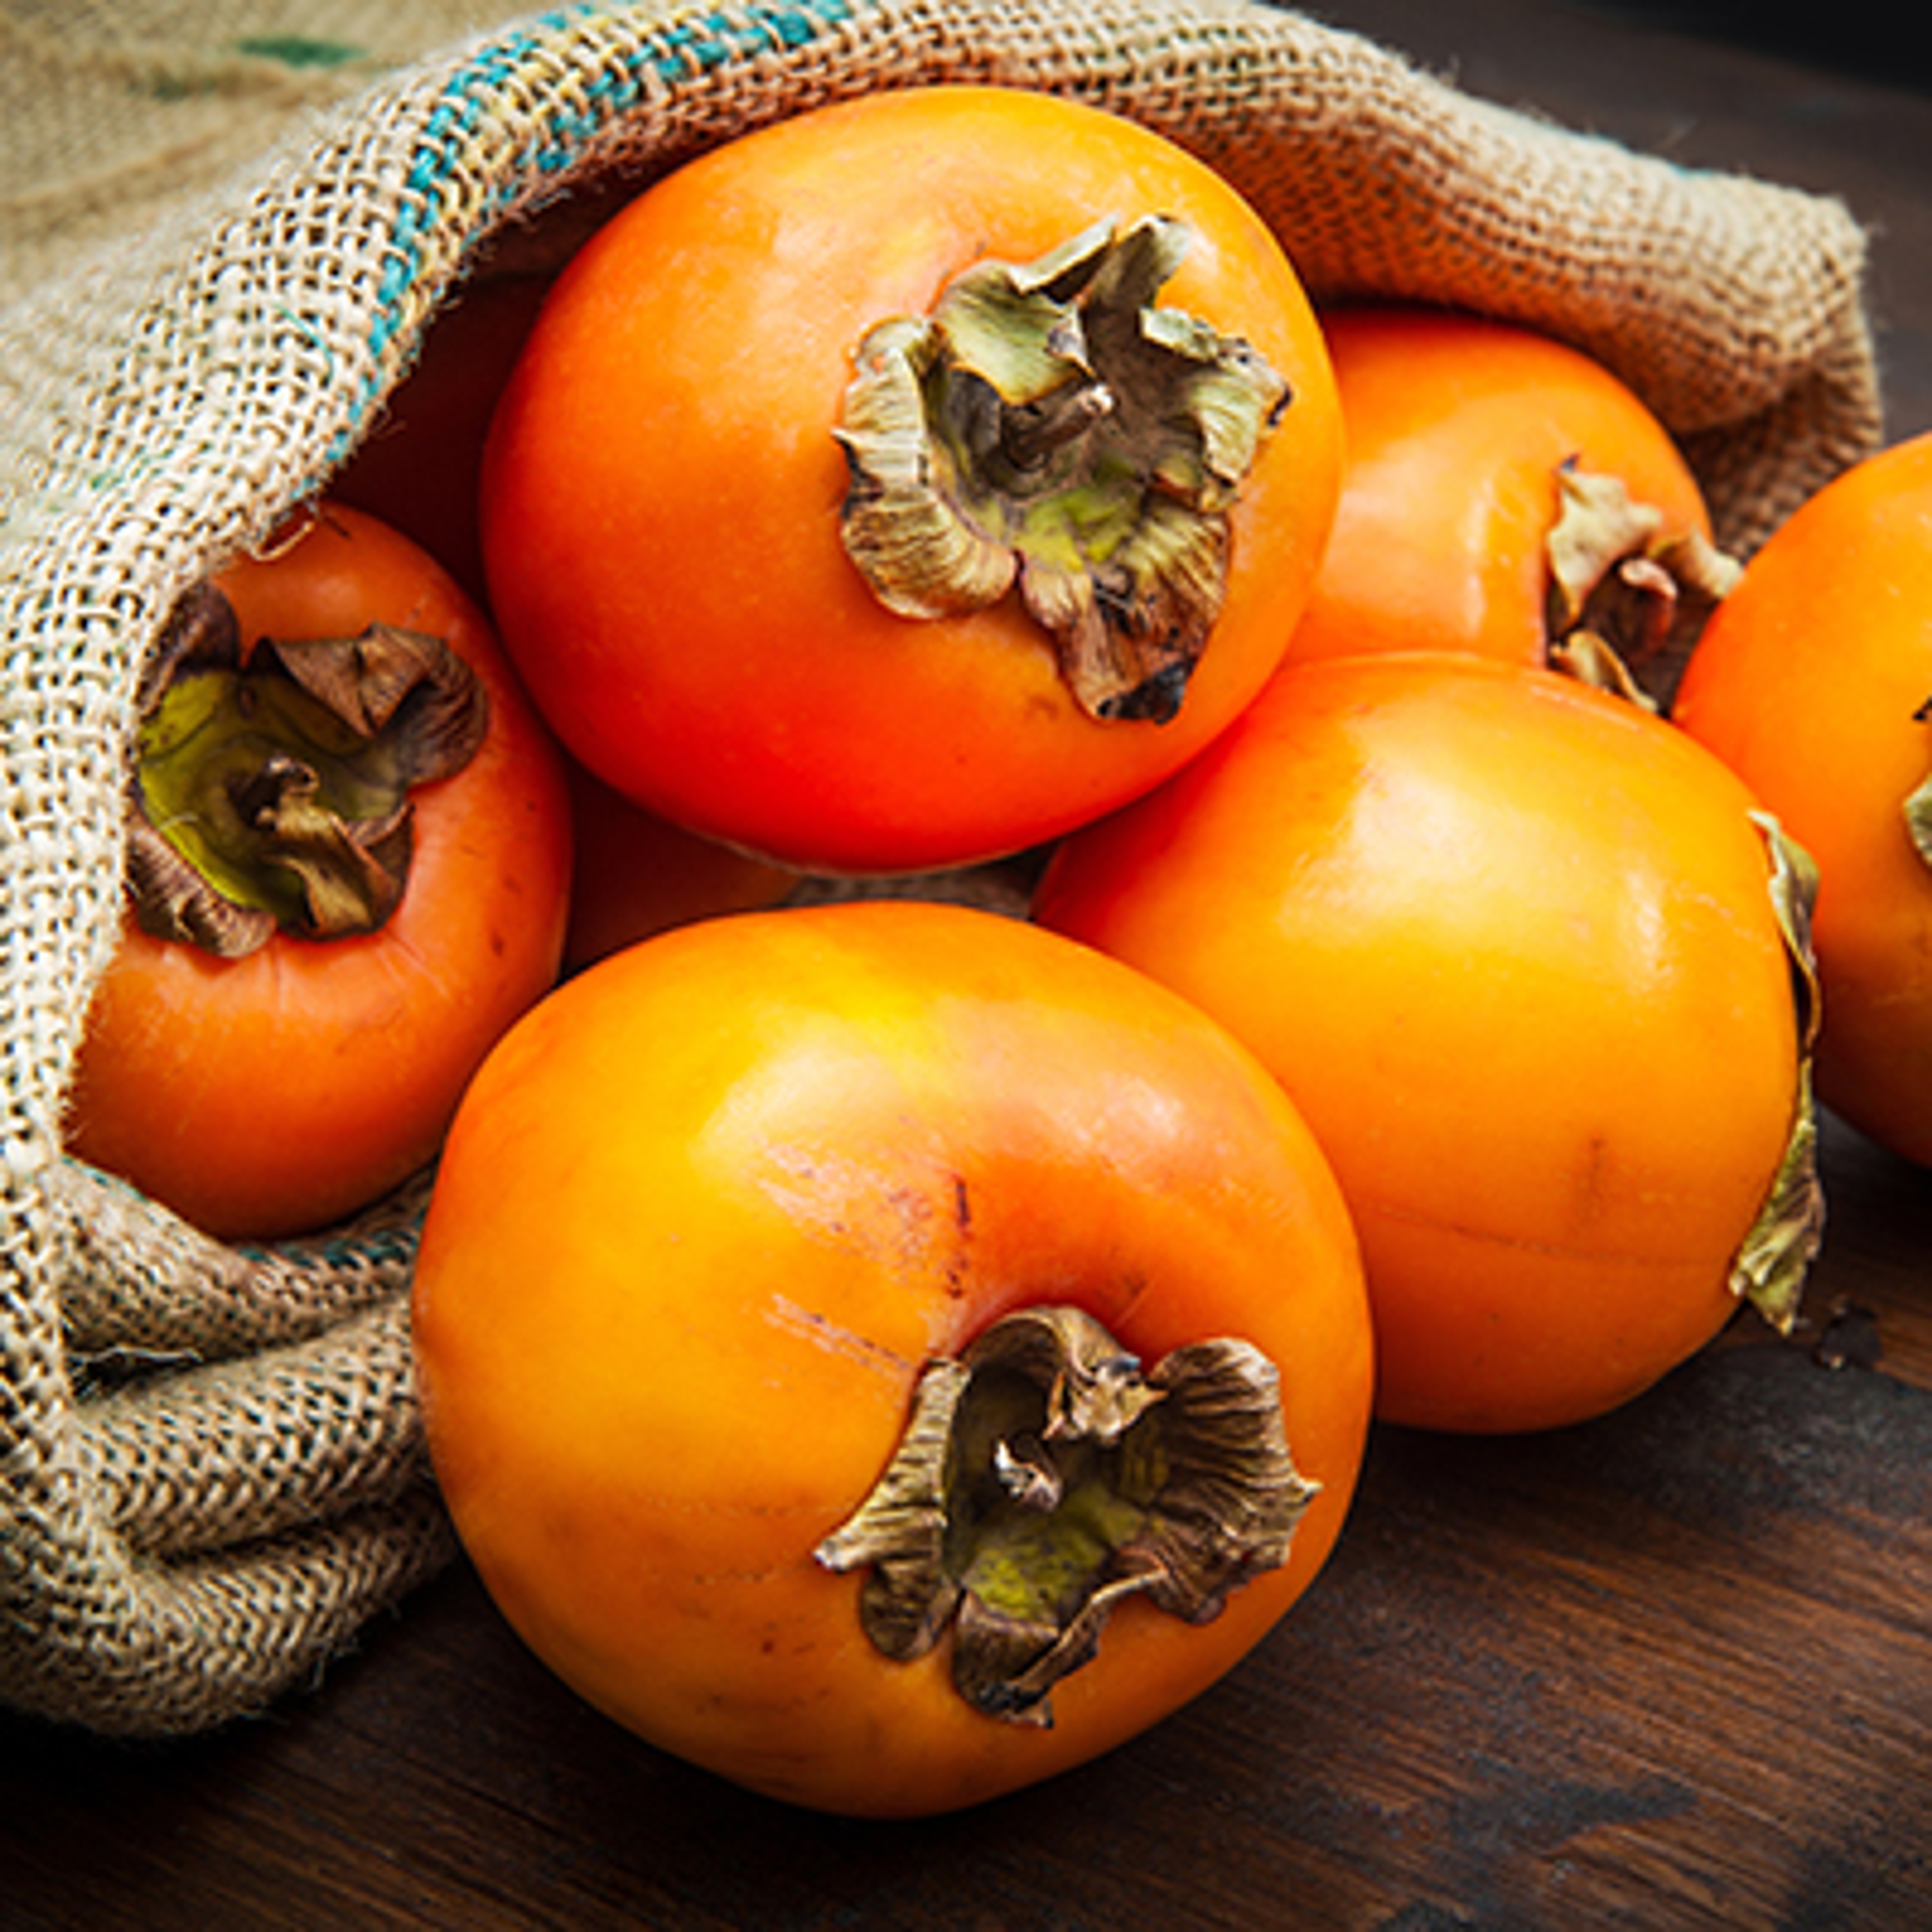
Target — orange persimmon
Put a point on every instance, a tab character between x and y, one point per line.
377	931
636	875
727	1212
419	467
1523	955
898	485
1504	494
1812	681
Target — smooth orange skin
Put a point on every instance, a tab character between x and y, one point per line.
1456	427
1508	944
703	1215
271	1095
662	486
1808	681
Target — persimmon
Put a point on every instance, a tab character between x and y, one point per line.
636	875
418	472
1504	493
1812	682
419	468
849	1336
350	864
898	485
1530	964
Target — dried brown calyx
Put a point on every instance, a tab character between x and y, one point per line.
1621	595
1047	425
1918	808
1770	1267
271	789
1043	1477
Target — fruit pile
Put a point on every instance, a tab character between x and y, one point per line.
891	1351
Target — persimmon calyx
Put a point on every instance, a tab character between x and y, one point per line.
1042	1478
1918	806
1620	594
1771	1265
1048	426
271	787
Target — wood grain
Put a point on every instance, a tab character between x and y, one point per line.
1671	1669
1674	1668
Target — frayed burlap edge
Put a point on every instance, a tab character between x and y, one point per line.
210	1469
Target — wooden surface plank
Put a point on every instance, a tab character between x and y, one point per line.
1673	1668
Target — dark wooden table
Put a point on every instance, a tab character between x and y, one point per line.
1672	1669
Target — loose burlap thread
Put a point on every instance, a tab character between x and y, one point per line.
211	1474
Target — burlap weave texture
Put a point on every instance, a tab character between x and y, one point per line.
211	1472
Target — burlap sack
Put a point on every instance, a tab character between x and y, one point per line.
210	1459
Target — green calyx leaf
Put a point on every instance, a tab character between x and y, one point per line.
1047	426
271	791
1771	1266
1918	806
1043	1478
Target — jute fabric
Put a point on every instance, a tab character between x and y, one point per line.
224	230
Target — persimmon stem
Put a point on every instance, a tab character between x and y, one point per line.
1621	594
1043	1478
271	787
1049	428
1032	432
